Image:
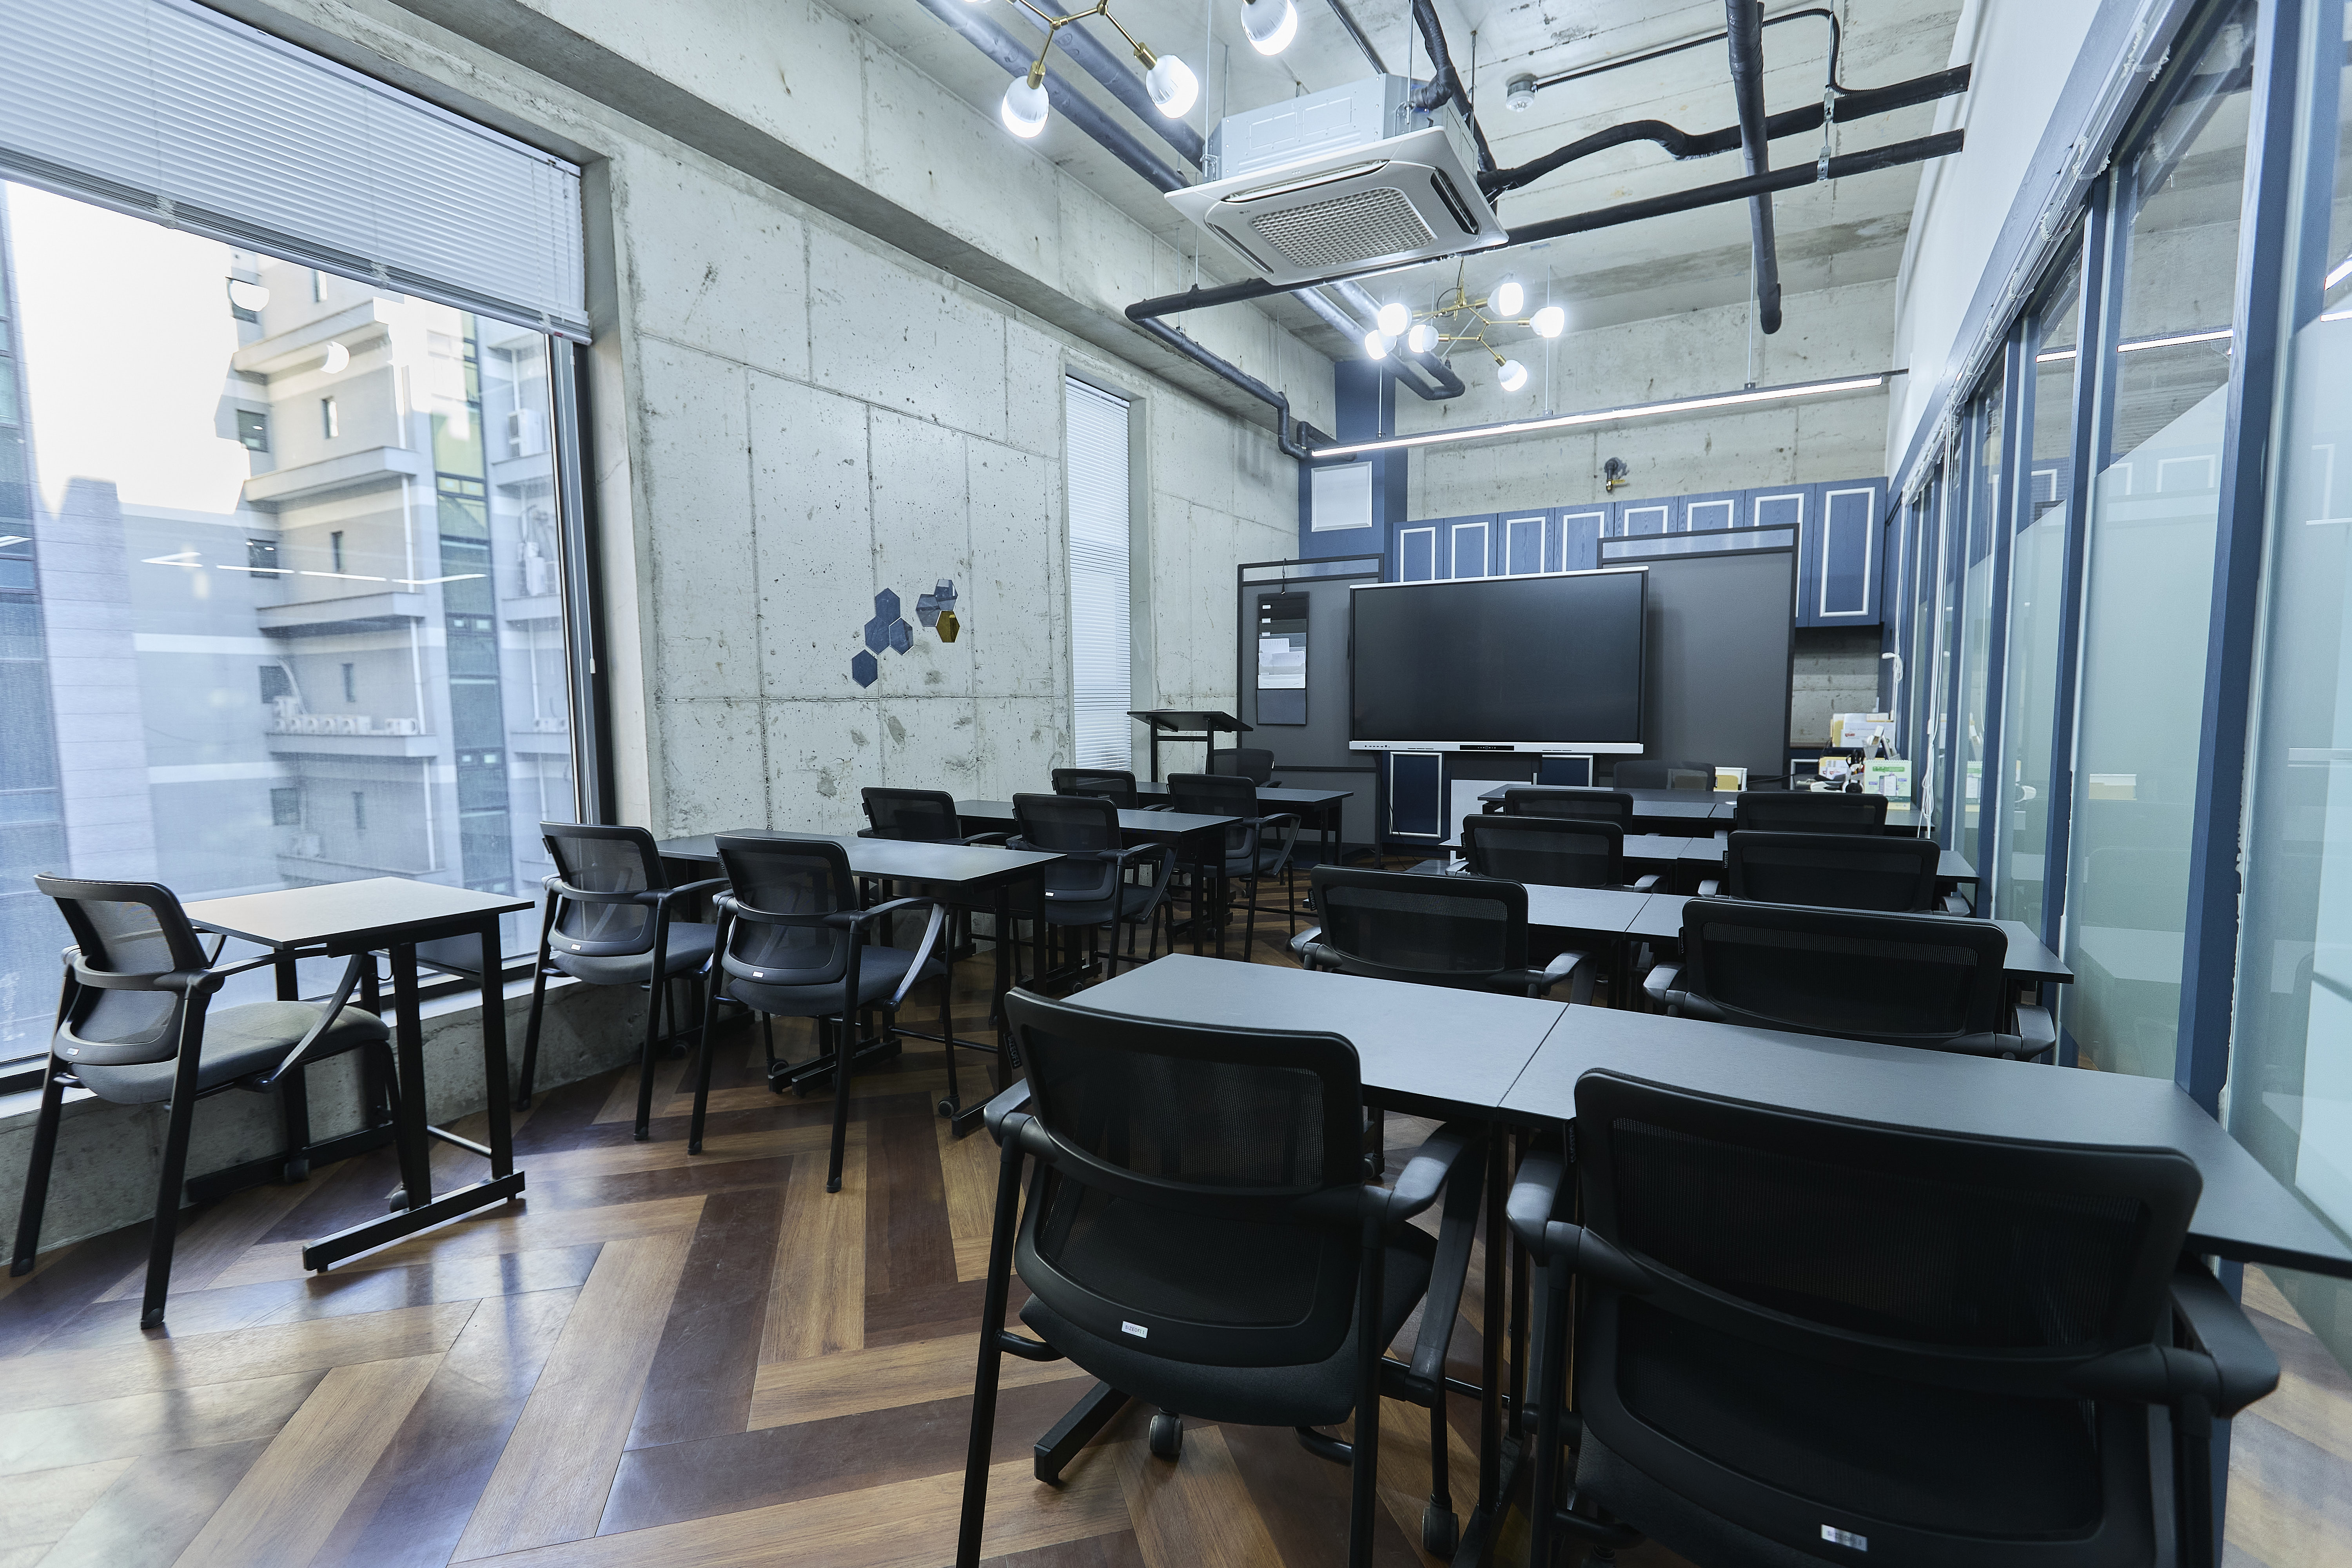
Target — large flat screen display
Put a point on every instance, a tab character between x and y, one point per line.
1550	663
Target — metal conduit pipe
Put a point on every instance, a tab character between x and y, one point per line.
1744	25
1294	446
1445	382
1096	59
1014	57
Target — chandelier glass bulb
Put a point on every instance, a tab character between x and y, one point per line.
1377	344
1421	338
1512	376
1270	24
1549	321
1393	319
1172	85
1509	297
1024	109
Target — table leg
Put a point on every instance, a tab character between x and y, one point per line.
408	1041
289	988
494	1049
1492	1318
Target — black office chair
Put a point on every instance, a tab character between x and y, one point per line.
1637	773
1088	887
1899	979
1832	870
913	816
1469	932
1200	1234
796	941
1556	852
1114	785
1255	763
1800	1339
1807	811
606	917
1583	805
1255	848
135	1025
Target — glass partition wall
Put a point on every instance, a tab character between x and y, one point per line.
280	557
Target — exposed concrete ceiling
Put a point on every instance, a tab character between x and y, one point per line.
1848	232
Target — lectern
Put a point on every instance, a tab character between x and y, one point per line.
1186	724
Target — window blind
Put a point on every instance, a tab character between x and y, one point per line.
1095	425
163	109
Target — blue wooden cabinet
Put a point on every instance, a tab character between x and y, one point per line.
1841	564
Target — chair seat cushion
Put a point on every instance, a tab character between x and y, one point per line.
879	971
1320	1395
689	948
239	1043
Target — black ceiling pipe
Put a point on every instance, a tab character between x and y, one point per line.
1744	25
1292	446
1444	83
1099	60
1941	146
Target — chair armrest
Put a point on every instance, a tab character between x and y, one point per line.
843	919
1646	884
1012	1098
1534	1196
2037	1029
292	1060
1301	945
2245	1367
1425	1173
708	885
993	839
1957	904
1660	982
1568	965
1710	887
561	889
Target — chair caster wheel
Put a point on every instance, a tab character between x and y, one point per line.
1440	1532
1167	1434
948	1109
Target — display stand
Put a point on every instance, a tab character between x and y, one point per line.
1186	724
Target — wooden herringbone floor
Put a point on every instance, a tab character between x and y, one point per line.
658	1360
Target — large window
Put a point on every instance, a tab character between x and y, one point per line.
1100	584
283	567
2290	1083
1971	800
2037	582
2154	503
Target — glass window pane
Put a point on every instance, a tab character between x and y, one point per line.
284	653
2290	1080
1976	618
2149	568
1944	625
2036	581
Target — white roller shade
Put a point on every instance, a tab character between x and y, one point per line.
164	109
1099	581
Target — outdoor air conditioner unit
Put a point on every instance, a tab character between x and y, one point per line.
1348	181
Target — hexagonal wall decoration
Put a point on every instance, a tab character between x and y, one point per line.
878	634
902	636
865	668
948	625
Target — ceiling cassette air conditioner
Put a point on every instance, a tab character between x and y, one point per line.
1348	181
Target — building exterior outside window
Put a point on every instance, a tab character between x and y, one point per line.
230	617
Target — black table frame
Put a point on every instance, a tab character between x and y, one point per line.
1323	803
417	1207
1201	834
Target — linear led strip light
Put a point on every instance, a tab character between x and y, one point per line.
1605	415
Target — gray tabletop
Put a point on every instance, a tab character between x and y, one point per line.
1605	911
941	865
2244	1212
1420	1045
1679	805
381	909
1267	795
1150	826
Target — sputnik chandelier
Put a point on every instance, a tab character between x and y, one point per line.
1269	25
1459	319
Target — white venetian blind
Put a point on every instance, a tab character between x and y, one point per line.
163	109
1100	583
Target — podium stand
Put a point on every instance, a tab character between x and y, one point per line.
1186	724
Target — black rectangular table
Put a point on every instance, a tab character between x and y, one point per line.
1199	839
392	915
1322	805
1677	808
958	872
1709	850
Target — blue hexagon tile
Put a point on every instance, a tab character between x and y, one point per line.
863	668
902	636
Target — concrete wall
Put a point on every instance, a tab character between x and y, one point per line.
1836	672
1825	334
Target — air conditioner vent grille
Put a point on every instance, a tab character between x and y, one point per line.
1358	226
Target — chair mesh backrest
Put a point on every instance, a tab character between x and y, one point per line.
1584	804
802	878
1558	852
1217	794
1931	1240
1902	979
131	928
1807	811
1183	1159
1255	763
599	859
914	815
1432	930
1836	870
1081	827
1114	785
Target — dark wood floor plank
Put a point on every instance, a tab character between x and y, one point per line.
65	1285
151	1513
700	1385
908	1243
415	1502
1114	1551
158	1423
